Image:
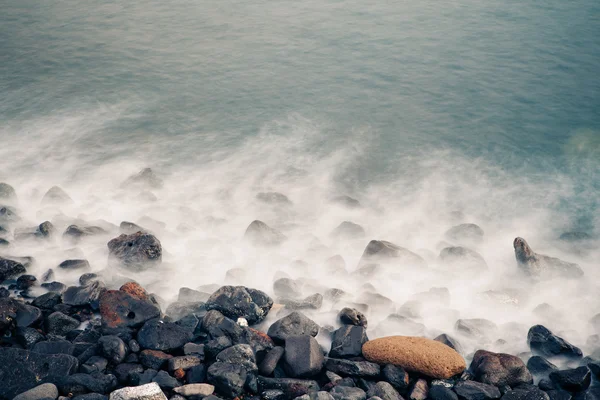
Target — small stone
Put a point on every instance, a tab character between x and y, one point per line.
238	301
476	327
10	268
419	391
84	295
380	250
539	366
84	383
74	264
125	371
146	178
166	381
295	324
196	389
56	287
544	343
312	302
286	287
150	391
74	233
24	282
154	359
193	349
54	347
164	336
348	341
44	391
134	346
183	362
113	348
352	368
260	234
196	374
228	379
439	392
462	258
348	230
138	251
292	388
471	390
499	369
240	354
397	376
572	380
348	393
60	324
352	316
303	356
94	364
384	391
267	366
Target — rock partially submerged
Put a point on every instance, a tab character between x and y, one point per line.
260	234
542	266
146	178
56	196
544	343
383	251
499	369
138	251
10	268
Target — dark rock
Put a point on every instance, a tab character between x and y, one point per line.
125	371
10	269
240	302
143	378
291	387
286	287
28	316
47	301
215	346
450	342
348	341
56	287
154	359
94	364
385	391
419	391
119	309
28	337
540	367
196	374
60	324
572	380
348	230
260	234
194	349
379	250
183	362
146	178
240	354
312	302
134	346
348	393
228	379
303	356
439	392
463	258
522	394
48	275
471	390
352	316
166	381
475	327
295	324
499	369
75	232
562	395
544	343
83	383
113	348
21	370
84	295
88	278
4	293
24	282
397	376
74	264
138	251
54	347
160	335
90	396
352	368
465	233
267	366
274	198
541	266
129	228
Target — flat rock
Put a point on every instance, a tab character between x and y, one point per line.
471	390
150	391
499	369
138	251
240	302
450	342
416	354
541	266
164	336
352	368
195	389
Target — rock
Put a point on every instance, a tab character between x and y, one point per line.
47	301
348	341
523	394
416	354
352	316
348	230
84	383
439	392
7	192
465	234
90	396
348	393
540	367
312	302
240	354
380	250
21	370
42	231
54	347
286	287
292	388
499	369
138	251
144	378
197	389
572	380
476	327
462	258
161	335
295	324
260	234
544	343
228	379
385	391
74	264
183	362
45	229
196	374
471	390
125	371
150	391
60	324
45	391
56	196
88	278
303	356
55	287
10	268
28	316
238	301
8	215
146	178
94	364
84	295
28	337
268	364
419	391
541	266
450	342
113	348
75	232
396	376
166	381
24	282
120	309
352	368
274	198
129	228
193	349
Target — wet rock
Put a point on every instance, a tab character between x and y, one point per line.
348	341
10	269
463	258
125	371
240	302
228	379
295	324
138	251
476	327
27	315
120	309
385	391
75	232
352	368
312	302
164	336
150	391
54	347
544	343
45	391
425	356
274	198
542	266
28	337
268	364
154	359
471	390
348	393
303	356
292	388
47	301
60	324
183	362
439	392
540	367
24	282
146	178
380	250
74	264
84	295
396	376
525	394
21	370
84	383
260	234
352	316
56	287
193	349
166	381
348	230
198	389
240	354
113	348
499	369
561	395
450	342
94	364
572	380
465	234
42	231
419	391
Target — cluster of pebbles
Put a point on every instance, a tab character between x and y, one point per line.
98	339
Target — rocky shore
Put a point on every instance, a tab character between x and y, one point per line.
101	340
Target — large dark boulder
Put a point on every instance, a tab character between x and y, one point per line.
303	356
541	266
240	302
161	335
572	380
499	369
120	309
544	343
260	234
21	370
10	268
138	251
294	324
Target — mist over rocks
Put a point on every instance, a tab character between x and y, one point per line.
260	234
540	266
138	251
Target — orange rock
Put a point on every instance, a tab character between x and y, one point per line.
179	373
415	354
135	290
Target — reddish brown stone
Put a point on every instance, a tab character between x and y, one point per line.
179	373
154	359
136	290
120	309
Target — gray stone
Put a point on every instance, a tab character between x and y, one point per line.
303	356
294	324
348	341
44	391
150	391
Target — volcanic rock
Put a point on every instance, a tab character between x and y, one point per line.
228	379
544	343
347	341
303	356
138	251
240	302
294	324
120	309
471	390
499	369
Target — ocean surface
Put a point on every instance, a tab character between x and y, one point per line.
421	110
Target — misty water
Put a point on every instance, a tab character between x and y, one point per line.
430	114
